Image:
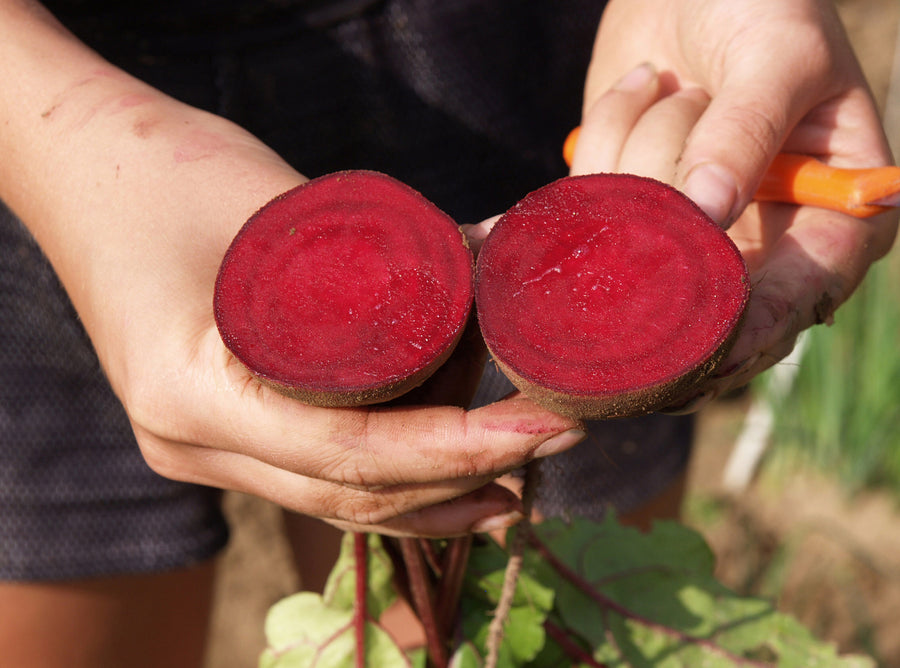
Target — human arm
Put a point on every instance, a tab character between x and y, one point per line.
134	198
780	77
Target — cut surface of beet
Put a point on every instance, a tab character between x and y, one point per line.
349	289
608	294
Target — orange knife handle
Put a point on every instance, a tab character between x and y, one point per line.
569	145
802	179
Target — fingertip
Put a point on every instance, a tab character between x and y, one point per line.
498	522
637	79
608	119
488	508
714	189
477	233
560	443
518	415
732	143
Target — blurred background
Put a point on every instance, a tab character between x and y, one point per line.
795	483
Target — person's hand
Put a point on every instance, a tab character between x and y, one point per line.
780	76
134	197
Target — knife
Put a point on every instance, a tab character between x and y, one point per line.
802	179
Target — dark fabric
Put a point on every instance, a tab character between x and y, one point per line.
76	498
466	100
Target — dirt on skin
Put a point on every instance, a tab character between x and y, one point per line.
834	562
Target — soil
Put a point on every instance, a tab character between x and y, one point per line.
832	561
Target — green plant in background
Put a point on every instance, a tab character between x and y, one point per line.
842	414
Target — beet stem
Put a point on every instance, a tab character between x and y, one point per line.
360	609
423	599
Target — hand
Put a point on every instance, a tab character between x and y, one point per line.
779	76
200	417
134	197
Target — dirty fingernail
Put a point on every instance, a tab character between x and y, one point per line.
638	78
497	522
560	442
714	189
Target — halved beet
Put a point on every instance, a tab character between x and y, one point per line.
608	295
350	289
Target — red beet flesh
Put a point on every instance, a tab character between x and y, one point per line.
608	295
349	289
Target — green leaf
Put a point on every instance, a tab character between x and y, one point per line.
524	636
418	657
300	627
651	599
524	633
307	629
466	656
303	632
340	589
485	574
635	600
303	618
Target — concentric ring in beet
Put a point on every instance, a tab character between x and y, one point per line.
605	295
352	288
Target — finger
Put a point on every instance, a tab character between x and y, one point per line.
808	273
807	108
654	146
488	508
729	149
400	509
477	233
424	444
799	279
609	120
370	446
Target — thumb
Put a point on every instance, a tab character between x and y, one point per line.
729	149
478	232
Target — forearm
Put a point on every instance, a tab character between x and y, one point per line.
115	180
